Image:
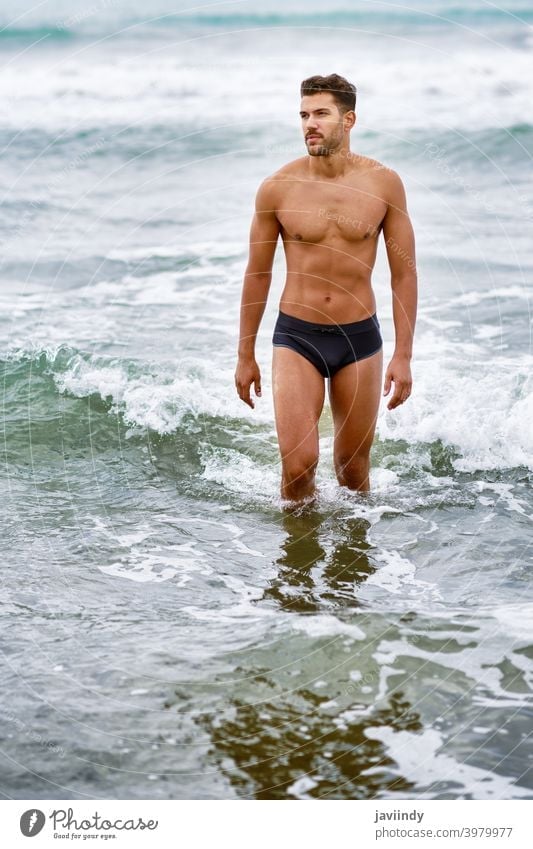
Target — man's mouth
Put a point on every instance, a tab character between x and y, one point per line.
311	138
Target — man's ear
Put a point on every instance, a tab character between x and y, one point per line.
349	119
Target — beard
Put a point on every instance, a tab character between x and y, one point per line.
323	147
318	150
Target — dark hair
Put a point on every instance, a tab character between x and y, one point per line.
344	93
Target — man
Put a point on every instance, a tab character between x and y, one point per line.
329	208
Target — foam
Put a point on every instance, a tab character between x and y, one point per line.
517	620
325	625
397	575
301	787
158	403
418	759
505	494
275	622
499	632
453	401
240	474
197	252
154	568
474	297
487	428
110	88
179	561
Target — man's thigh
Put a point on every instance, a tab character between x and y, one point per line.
298	389
354	394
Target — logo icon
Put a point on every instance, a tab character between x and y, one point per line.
31	822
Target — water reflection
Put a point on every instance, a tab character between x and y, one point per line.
321	564
286	747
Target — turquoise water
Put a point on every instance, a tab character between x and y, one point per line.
167	631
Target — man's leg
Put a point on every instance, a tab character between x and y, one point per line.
354	395
298	389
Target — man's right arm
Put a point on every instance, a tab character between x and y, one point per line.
264	234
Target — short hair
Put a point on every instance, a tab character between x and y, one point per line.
344	93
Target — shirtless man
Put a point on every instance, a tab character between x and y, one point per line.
329	208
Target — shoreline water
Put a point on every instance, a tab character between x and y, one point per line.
167	630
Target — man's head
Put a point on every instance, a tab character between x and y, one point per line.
327	111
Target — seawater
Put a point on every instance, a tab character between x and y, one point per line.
167	630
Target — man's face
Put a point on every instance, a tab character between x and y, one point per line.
322	123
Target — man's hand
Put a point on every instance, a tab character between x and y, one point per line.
247	372
398	371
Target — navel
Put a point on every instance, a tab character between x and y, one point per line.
298	236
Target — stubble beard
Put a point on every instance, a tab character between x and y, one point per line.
324	148
321	150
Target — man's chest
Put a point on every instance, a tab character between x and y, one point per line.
321	211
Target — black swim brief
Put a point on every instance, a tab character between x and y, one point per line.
329	347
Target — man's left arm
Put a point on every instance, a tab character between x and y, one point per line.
400	242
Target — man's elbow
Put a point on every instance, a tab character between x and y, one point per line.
258	278
407	277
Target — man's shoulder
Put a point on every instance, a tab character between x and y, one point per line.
367	165
273	186
288	171
385	179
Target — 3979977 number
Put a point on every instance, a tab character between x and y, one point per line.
486	831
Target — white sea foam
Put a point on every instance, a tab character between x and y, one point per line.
463	404
324	625
240	474
517	620
145	567
418	758
499	632
474	297
455	400
246	617
397	575
301	787
198	253
505	494
156	403
109	88
155	563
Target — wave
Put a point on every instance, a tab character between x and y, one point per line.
281	15
478	148
443	14
444	148
151	398
127	388
35	33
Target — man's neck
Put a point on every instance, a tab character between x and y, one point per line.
332	165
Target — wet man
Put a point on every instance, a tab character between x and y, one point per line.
329	207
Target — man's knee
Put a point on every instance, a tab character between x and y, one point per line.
299	469
352	470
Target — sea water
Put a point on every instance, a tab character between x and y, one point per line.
167	630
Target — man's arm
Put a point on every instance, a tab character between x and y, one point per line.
264	234
400	242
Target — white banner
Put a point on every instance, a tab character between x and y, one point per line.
256	825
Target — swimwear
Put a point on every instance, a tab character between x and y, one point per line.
329	347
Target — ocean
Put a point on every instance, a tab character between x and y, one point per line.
167	630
